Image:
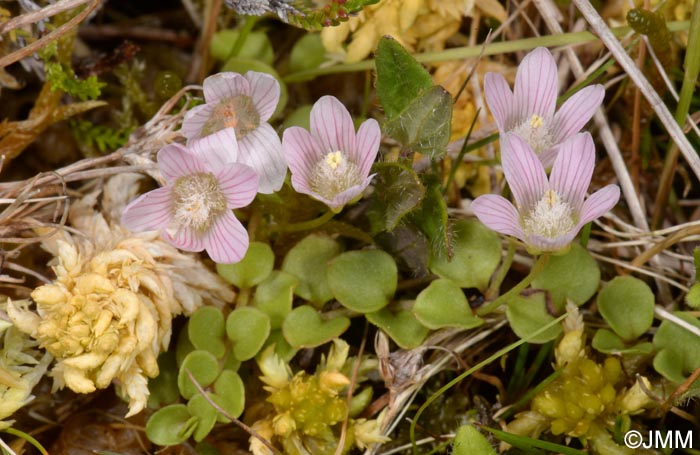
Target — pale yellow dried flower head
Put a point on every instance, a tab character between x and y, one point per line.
108	313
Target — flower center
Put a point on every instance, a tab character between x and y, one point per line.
237	112
551	217
197	201
334	174
536	133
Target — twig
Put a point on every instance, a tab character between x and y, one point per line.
36	16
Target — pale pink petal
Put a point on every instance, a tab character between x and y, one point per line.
366	145
332	125
573	169
500	100
301	152
239	183
225	85
523	171
537	243
195	119
184	238
536	85
149	212
497	213
265	92
217	149
599	203
261	149
548	156
342	199
577	111
227	240
174	161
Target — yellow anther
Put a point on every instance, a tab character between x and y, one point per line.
334	159
536	121
551	198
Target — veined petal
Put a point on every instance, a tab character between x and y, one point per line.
225	85
342	199
599	203
577	111
500	100
573	169
547	157
550	245
174	161
238	183
497	213
227	240
332	125
366	145
261	149
265	92
149	212
536	85
217	149
195	119
523	170
301	152
184	238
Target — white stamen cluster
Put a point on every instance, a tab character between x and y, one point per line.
197	201
550	218
536	133
334	174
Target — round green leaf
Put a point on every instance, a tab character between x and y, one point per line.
206	330
255	266
257	46
402	327
274	296
308	261
476	252
574	276
283	349
304	327
678	349
170	425
308	53
363	281
470	441
242	65
204	368
692	298
526	315
247	328
230	391
443	304
608	342
206	415
627	305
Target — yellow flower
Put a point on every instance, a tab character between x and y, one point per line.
108	313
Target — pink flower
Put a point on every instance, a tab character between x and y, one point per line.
528	111
193	210
331	163
550	212
245	104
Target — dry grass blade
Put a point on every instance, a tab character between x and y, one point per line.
44	13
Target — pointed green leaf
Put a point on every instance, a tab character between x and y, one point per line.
470	441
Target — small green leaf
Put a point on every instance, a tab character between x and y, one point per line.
206	415
574	276
206	330
678	349
470	441
255	266
247	328
400	78
204	369
170	425
476	252
242	65
627	305
431	219
274	296
609	342
308	53
424	126
401	192
308	261
692	298
527	315
363	281
283	349
402	327
163	388
443	304
230	393
304	327
257	46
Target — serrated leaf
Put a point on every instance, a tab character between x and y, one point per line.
431	219
401	192
400	78
424	125
363	281
247	328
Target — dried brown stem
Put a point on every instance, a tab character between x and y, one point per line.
43	13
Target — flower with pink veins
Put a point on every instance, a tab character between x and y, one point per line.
243	103
331	163
549	212
528	110
193	210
